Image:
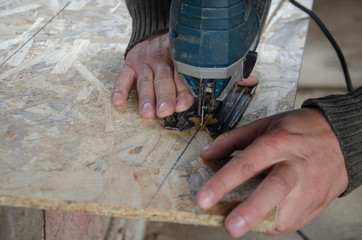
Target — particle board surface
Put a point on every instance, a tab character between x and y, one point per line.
63	146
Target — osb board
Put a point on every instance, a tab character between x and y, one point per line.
63	146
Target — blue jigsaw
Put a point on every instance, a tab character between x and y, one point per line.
213	45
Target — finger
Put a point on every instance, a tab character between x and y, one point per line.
241	168
146	92
237	139
249	82
123	84
184	99
165	88
274	189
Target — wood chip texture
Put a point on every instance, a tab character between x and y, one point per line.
64	147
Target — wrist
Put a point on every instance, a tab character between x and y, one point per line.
344	113
148	18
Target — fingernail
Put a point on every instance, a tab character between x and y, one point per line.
236	226
180	104
206	199
116	97
162	107
208	146
146	107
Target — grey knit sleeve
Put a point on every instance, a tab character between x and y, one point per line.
344	113
148	18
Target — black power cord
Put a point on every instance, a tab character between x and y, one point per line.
341	57
302	235
331	39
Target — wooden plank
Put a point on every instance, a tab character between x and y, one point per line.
63	145
75	225
15	223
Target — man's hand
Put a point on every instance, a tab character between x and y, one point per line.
305	165
161	91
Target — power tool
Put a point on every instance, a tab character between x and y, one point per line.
213	44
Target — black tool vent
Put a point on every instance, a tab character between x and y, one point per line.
260	6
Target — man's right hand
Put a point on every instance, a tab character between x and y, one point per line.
161	90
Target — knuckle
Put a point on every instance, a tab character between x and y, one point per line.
163	79
279	140
165	97
144	82
162	63
145	70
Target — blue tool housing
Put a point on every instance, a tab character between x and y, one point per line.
212	33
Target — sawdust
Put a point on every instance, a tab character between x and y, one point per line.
151	123
196	165
126	107
132	102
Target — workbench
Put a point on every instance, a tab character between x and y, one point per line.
64	147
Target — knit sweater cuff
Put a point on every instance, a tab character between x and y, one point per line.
149	17
344	113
